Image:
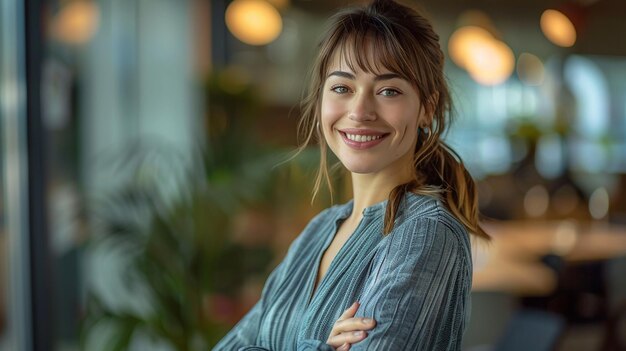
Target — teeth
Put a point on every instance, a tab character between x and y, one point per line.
362	138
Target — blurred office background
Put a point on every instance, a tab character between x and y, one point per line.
143	200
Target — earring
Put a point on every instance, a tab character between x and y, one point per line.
317	125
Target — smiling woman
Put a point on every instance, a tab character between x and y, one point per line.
400	248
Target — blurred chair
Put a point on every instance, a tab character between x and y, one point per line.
490	313
529	329
615	326
615	332
532	330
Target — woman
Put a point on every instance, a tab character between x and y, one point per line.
400	247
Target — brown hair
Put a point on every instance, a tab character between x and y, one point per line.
404	42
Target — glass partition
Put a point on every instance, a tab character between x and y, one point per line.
14	244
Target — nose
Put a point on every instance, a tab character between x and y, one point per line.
362	108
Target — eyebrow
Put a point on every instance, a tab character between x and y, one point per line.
380	77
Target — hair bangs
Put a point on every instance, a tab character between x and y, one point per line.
372	48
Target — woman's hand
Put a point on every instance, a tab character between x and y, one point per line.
346	329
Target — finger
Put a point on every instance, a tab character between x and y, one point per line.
347	337
349	312
353	324
344	347
338	337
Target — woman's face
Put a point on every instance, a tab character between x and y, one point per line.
370	120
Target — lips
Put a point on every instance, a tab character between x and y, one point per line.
361	145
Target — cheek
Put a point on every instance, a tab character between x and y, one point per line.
406	126
412	139
405	123
331	111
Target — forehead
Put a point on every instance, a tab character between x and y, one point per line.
364	54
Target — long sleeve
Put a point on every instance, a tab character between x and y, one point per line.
418	292
243	335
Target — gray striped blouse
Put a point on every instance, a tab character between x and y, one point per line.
415	283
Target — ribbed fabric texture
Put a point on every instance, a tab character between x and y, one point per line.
415	283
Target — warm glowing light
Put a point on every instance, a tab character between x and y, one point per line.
558	28
76	23
487	60
464	40
254	22
530	69
492	63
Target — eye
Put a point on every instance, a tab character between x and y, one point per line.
340	89
389	92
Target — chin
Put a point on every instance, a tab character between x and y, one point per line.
360	168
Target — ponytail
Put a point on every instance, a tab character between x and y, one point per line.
440	172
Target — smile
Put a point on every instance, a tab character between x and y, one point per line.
362	138
360	142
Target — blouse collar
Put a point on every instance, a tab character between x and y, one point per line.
376	209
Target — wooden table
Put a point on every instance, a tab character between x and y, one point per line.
511	262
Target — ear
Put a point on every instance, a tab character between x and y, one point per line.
428	110
431	104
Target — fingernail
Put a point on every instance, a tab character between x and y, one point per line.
367	320
358	333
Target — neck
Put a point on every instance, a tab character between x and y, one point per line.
371	188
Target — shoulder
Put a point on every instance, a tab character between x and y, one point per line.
425	242
420	209
426	224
